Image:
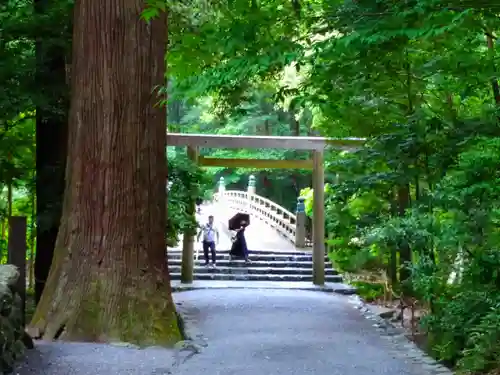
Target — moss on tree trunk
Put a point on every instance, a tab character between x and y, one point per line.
109	279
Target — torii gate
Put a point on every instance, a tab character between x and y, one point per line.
315	144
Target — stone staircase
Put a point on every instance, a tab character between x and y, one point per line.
267	265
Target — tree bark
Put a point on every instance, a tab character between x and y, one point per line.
109	279
51	141
405	253
393	256
494	81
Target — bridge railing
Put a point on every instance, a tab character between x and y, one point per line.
288	224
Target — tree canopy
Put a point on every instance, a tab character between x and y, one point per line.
417	78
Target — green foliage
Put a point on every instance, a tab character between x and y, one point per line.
17	58
20	27
223	47
450	226
256	114
464	323
369	291
186	183
308	193
17	164
417	78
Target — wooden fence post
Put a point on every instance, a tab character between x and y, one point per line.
17	255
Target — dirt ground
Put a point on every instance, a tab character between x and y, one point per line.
407	318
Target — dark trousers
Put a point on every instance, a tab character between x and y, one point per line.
209	245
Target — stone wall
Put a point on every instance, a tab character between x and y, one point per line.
11	322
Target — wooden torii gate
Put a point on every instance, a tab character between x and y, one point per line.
315	144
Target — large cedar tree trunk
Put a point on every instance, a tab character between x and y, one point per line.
109	279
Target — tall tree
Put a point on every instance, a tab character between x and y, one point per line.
51	135
109	278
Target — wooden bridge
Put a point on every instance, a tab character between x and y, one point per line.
289	227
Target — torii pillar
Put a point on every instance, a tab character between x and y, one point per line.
318	182
187	264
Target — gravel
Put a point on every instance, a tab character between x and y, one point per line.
287	332
59	358
251	331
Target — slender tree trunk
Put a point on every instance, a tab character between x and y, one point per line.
393	256
9	192
494	81
109	279
51	144
31	262
267	128
51	140
294	124
405	255
3	242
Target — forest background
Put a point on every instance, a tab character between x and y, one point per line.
419	203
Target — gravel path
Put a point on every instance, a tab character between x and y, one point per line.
249	332
287	332
56	358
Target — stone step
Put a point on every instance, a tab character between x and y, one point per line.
255	263
257	277
270	257
250	270
277	252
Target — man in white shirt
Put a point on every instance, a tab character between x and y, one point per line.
210	235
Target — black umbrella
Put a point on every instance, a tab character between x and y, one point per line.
235	221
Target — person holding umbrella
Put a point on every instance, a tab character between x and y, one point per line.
199	201
239	249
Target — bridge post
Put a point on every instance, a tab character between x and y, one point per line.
318	218
251	189
188	239
300	223
221	189
222	186
251	185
